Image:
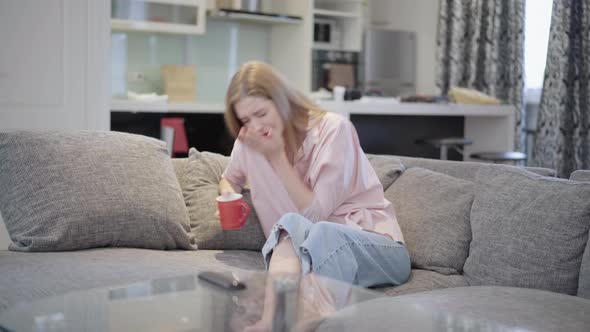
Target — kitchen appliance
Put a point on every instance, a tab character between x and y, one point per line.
334	68
388	62
326	34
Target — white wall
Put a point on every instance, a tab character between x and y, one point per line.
412	15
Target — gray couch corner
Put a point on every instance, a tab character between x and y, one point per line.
511	217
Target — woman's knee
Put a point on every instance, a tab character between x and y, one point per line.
295	225
290	215
324	239
327	231
292	219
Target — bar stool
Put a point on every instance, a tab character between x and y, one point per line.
447	143
500	157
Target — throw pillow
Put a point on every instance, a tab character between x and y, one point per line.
200	188
388	168
179	165
528	230
78	190
432	210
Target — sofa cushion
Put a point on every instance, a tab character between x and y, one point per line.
528	230
200	188
461	169
388	168
29	276
584	279
423	281
179	165
433	212
77	190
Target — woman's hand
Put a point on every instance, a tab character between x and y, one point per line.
224	193
268	143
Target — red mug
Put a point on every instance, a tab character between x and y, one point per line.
233	211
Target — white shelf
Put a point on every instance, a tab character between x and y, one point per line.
255	18
123	105
347	18
128	25
332	48
173	2
334	13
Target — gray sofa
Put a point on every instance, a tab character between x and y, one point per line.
468	225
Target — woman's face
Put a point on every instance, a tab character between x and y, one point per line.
259	115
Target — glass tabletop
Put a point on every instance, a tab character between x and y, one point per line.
187	303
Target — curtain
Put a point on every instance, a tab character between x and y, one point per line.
480	45
562	141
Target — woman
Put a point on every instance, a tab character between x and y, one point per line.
320	203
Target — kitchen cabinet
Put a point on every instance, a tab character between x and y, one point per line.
338	25
289	35
165	16
54	64
381	12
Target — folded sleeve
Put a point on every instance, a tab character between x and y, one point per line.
332	170
234	172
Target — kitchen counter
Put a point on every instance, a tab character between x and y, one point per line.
345	108
491	127
426	109
122	105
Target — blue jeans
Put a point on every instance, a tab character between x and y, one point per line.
342	252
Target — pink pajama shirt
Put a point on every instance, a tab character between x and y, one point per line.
333	165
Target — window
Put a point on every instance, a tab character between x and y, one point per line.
537	24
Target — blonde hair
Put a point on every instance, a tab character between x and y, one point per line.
258	79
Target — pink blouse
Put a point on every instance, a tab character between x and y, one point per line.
333	165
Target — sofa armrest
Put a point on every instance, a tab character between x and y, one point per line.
580	175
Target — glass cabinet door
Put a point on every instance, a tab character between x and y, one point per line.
168	16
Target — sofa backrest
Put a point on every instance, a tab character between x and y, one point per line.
387	167
462	169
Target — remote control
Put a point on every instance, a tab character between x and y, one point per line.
224	280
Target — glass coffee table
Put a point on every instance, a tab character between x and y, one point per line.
187	303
